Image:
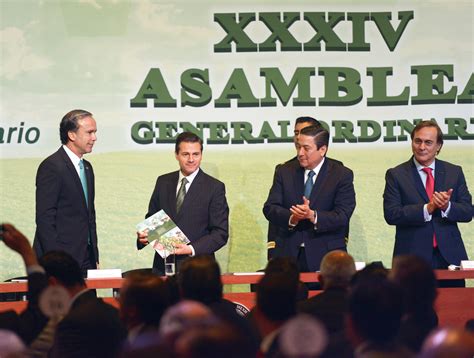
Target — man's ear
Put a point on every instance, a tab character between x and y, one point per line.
71	136
323	150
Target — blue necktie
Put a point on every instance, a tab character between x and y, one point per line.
82	175
308	186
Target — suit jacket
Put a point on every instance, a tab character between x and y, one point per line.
276	234
404	198
63	219
204	214
330	307
333	198
91	328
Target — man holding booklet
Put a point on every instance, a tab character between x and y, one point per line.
193	200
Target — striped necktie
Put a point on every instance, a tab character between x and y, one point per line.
181	194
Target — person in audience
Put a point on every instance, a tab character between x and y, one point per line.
425	198
371	271
289	265
337	269
171	284
194	200
302	336
375	311
91	328
448	342
275	304
469	326
200	280
312	201
31	321
11	346
143	300
417	281
214	341
180	318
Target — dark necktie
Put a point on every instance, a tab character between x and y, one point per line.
181	194
308	186
429	187
82	176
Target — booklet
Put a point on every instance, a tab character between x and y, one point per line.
163	233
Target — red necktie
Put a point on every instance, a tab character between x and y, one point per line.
429	191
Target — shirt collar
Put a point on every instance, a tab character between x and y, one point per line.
420	167
189	178
74	158
315	170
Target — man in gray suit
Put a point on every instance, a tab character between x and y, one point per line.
195	201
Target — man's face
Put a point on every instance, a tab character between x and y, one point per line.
189	157
298	128
425	146
82	140
308	155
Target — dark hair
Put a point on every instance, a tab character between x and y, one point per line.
148	294
189	137
319	134
199	279
417	281
276	296
289	266
307	119
63	267
69	123
374	270
428	124
282	264
375	307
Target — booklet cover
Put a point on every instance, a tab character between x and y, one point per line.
163	233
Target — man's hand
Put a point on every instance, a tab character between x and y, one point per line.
301	212
16	241
182	249
439	200
442	198
142	237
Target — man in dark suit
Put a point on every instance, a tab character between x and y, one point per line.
65	212
195	201
425	198
275	246
143	300
312	200
330	306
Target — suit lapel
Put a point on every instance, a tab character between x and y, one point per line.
414	176
193	192
440	176
322	175
75	177
299	180
172	185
